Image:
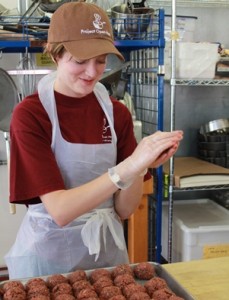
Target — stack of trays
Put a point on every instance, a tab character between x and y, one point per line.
214	148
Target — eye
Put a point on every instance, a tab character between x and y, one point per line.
101	61
78	61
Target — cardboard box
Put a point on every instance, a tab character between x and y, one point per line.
196	60
200	230
193	172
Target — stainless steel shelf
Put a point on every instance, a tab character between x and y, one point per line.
201	82
202	188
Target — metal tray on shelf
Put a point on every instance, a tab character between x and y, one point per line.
160	272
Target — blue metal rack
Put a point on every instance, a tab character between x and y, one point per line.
145	50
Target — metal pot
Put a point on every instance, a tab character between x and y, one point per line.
128	22
217	126
52	5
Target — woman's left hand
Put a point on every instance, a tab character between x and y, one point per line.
165	156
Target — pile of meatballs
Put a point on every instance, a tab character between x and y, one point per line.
137	282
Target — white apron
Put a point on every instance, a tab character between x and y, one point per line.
93	240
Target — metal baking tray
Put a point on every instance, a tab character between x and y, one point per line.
160	271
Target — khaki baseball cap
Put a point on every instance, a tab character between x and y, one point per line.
84	29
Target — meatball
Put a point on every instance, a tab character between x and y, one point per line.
139	296
109	291
38	290
162	294
12	284
35	282
62	288
123	280
14	293
64	297
144	271
154	284
101	283
80	285
175	297
1	292
97	273
76	276
132	288
53	280
86	293
122	269
40	297
118	297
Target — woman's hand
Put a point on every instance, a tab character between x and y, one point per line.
155	149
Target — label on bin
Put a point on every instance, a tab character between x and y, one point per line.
211	251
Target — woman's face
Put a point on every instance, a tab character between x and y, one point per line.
77	78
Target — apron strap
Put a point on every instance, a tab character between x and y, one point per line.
90	232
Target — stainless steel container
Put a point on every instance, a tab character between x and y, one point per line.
130	23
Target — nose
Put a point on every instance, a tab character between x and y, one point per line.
91	69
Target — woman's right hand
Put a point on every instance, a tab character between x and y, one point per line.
151	152
156	149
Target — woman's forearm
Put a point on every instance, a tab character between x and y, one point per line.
126	201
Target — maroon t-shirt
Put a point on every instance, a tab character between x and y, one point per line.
33	168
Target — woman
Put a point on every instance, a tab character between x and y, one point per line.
74	160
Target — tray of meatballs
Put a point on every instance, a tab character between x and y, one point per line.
140	281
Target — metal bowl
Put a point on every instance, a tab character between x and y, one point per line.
217	126
130	23
51	5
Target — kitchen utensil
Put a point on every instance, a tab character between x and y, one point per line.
130	22
9	98
27	82
220	126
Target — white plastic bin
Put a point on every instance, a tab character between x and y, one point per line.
196	60
200	230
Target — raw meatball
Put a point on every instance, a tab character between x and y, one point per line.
140	296
53	280
144	271
101	283
123	280
122	269
80	285
62	288
14	293
38	290
64	297
109	292
162	294
40	297
12	284
155	284
35	282
97	273
131	288
174	297
86	293
118	297
1	292
76	276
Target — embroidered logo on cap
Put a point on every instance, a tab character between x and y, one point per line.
97	22
98	25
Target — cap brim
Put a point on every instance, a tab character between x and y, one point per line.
86	49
